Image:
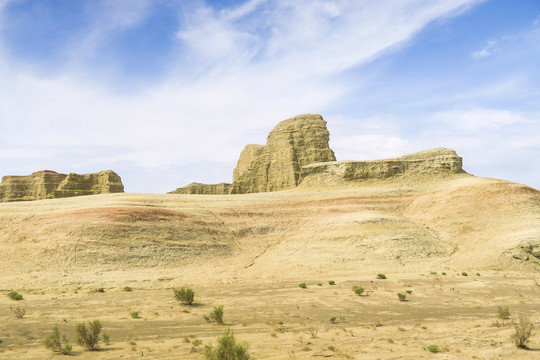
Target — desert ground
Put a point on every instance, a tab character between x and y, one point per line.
72	258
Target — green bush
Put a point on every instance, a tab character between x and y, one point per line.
106	339
433	348
302	285
464	274
227	349
127	288
184	295
358	290
217	314
333	319
89	337
443	273
523	331
135	314
477	274
401	296
503	312
319	284
381	276
1	341
58	343
433	273
15	295
196	342
408	292
332	282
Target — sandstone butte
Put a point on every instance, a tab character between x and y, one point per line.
297	153
47	184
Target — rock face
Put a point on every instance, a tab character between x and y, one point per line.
428	163
204	189
292	144
48	184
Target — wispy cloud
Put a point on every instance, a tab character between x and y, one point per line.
489	49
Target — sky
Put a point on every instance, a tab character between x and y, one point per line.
168	92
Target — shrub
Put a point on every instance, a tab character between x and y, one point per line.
464	274
302	285
333	319
100	290
217	314
433	348
433	273
227	349
319	284
503	312
358	290
135	314
443	273
106	339
1	341
127	288
381	276
196	342
523	328
332	282
184	295
56	343
18	311
408	292
401	296
477	274
89	337
14	295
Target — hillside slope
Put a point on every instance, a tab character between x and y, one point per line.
459	222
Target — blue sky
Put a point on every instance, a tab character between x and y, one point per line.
167	92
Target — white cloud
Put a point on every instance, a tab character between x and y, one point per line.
489	49
480	119
249	67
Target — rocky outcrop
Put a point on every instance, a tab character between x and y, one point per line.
292	144
103	182
204	189
429	163
48	184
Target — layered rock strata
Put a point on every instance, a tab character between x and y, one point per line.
49	184
428	163
204	189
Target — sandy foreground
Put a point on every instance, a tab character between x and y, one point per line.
280	320
250	252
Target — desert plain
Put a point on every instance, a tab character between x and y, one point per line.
72	258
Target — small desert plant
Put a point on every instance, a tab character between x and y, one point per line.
443	273
381	276
401	296
319	284
106	339
217	314
196	342
101	290
57	343
313	331
14	295
18	311
1	341
302	285
333	319
127	288
433	348
408	292
135	314
358	290
503	313
477	274
89	337
433	273
524	330
184	295
332	282
464	274
227	349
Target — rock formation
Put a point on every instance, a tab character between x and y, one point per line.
49	184
297	151
428	163
292	144
204	189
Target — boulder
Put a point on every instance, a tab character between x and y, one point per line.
48	184
291	145
437	162
203	189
